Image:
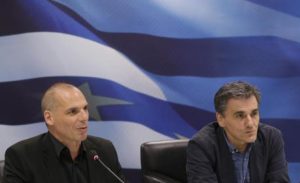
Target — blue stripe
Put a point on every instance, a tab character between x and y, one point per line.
222	57
39	16
290	7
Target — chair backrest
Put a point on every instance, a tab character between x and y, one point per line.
164	161
1	169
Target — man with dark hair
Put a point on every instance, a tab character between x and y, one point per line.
63	155
237	148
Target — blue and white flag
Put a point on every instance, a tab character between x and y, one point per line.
149	69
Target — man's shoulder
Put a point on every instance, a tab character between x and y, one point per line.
94	141
101	145
29	142
207	134
268	133
27	148
268	130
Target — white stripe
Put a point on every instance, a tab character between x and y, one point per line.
187	19
233	18
46	54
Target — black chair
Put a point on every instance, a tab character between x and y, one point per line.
1	169
164	161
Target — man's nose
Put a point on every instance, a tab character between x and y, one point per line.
249	121
84	115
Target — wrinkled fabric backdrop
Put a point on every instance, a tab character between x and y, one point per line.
149	69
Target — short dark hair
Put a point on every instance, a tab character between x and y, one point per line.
236	90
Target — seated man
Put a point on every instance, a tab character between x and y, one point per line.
65	154
237	148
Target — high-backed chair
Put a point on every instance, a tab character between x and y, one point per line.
1	169
164	161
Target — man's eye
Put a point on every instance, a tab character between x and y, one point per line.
85	108
240	116
73	111
255	113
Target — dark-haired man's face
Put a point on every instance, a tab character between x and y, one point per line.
240	121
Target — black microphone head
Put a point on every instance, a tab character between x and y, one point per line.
94	155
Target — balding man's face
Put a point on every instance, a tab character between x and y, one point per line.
68	121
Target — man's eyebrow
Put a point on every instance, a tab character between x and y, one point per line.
239	112
71	109
76	108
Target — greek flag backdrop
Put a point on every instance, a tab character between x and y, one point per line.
149	69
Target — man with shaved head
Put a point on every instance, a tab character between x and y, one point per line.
66	153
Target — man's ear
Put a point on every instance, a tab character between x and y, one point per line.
220	119
48	117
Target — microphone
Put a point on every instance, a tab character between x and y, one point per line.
95	157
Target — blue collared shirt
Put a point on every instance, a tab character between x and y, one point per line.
240	161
